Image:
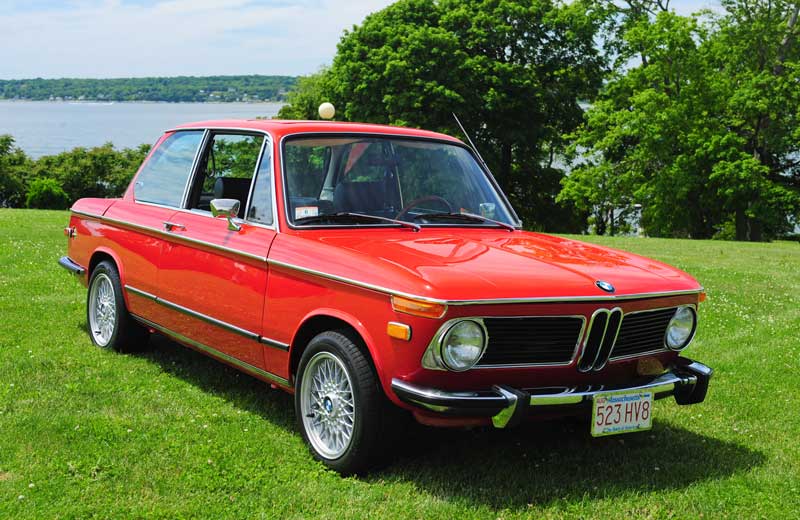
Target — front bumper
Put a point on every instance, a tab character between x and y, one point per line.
686	380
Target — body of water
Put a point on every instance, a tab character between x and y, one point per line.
46	128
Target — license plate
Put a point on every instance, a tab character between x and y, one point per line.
621	412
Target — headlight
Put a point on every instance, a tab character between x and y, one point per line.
680	330
463	345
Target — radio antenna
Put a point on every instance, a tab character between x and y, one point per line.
469	139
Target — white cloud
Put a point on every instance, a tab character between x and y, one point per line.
176	37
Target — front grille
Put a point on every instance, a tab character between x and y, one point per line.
642	332
541	340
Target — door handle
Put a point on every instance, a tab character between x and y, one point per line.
172	226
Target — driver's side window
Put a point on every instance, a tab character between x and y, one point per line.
226	170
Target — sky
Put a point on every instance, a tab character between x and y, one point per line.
126	38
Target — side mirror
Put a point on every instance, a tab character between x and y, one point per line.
226	208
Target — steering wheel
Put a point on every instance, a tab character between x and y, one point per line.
416	202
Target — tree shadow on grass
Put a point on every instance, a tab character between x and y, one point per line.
533	464
552	461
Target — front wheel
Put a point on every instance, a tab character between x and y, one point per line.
110	324
340	406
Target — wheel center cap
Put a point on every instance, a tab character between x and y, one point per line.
327	403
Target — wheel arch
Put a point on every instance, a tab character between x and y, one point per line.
329	319
104	253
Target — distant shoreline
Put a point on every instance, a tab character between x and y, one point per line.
179	89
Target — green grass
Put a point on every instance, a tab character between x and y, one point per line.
91	434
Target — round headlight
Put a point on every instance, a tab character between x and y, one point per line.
681	328
463	345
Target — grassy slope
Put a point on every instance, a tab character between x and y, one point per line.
86	433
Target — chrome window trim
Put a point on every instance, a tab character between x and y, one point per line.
267	141
269	137
209	319
195	167
205	348
259	160
386	290
431	359
312	133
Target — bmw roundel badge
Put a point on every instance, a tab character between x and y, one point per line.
607	287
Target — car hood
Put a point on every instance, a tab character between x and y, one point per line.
466	264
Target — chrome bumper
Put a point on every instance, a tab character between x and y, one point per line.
686	380
67	263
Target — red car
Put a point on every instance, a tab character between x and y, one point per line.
368	269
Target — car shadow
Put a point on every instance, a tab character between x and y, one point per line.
558	460
533	464
216	378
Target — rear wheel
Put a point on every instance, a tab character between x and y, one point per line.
340	406
110	324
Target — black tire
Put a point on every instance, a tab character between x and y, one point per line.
374	415
123	333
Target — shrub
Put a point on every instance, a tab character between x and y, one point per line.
46	194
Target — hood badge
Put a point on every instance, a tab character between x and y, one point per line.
607	287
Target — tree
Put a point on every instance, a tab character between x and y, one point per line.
513	71
700	129
46	194
13	164
95	172
303	101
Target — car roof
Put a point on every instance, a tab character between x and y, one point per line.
280	128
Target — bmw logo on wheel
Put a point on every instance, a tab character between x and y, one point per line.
607	287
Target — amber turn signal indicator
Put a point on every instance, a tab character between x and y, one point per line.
418	307
398	330
702	297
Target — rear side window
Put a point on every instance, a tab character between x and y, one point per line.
164	176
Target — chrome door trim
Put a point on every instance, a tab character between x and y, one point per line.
274	344
174	236
386	290
210	319
214	352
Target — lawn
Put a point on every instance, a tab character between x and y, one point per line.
86	433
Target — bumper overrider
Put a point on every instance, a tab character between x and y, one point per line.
686	380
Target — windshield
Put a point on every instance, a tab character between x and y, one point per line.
335	181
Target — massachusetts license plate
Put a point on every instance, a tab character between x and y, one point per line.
622	412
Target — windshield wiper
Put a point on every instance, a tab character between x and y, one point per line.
346	215
464	216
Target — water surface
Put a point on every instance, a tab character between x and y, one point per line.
50	127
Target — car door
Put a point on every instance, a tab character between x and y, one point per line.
212	278
139	219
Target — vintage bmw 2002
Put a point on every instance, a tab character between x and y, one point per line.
369	269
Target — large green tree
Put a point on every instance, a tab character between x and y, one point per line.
512	70
699	126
